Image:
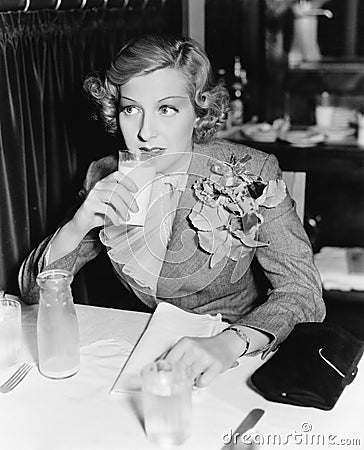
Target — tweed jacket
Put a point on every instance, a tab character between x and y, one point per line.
280	288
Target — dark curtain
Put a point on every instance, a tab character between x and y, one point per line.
47	136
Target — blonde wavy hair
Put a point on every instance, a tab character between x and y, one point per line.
148	54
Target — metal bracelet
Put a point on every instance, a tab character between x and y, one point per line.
242	336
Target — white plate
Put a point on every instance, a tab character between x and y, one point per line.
342	131
303	138
260	136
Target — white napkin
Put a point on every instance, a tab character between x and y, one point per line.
341	268
165	328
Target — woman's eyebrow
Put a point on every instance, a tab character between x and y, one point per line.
128	98
170	97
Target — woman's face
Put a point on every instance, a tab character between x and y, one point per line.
156	113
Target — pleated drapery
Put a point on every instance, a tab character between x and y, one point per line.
47	136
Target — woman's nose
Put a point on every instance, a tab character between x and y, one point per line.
148	129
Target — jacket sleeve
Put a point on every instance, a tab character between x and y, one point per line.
35	263
295	294
87	249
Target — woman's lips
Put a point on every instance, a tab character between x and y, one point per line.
152	149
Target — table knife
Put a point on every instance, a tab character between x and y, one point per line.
247	424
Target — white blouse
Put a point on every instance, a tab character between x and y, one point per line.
137	253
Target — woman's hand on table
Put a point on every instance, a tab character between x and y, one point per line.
210	356
206	356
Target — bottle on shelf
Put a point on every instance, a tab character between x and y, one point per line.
324	110
221	79
360	120
245	96
236	95
221	76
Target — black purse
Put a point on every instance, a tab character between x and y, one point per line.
311	367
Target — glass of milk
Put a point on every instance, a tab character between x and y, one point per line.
140	167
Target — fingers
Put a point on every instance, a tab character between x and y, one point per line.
125	181
177	352
119	202
207	376
117	196
192	353
110	199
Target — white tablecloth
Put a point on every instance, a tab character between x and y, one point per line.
79	413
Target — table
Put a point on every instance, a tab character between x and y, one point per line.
79	413
335	158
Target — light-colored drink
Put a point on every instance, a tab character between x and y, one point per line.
142	171
60	367
10	332
324	110
168	417
57	332
167	391
57	325
324	116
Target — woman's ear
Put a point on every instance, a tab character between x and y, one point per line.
196	122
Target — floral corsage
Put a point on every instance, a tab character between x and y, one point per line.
227	216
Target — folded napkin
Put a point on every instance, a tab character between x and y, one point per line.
167	325
341	268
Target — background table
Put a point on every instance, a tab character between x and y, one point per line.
79	413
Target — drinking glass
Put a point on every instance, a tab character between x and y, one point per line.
140	167
167	389
10	332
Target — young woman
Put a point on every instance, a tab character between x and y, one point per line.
221	236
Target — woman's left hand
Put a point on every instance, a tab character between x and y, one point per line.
206	356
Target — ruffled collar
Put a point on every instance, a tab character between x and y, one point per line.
138	253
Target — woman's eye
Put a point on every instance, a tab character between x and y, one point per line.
168	110
129	110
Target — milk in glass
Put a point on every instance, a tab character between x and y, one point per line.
57	326
141	169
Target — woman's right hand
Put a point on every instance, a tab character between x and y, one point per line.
108	201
